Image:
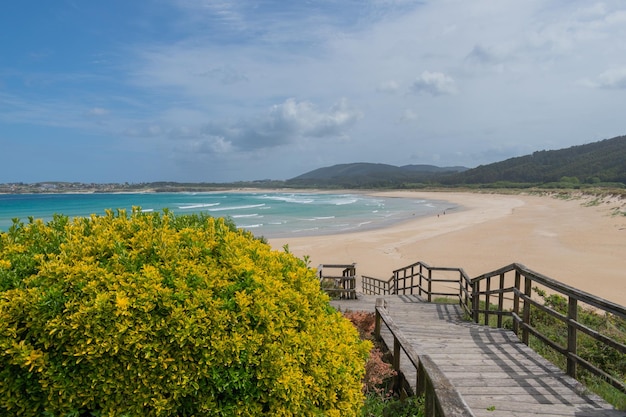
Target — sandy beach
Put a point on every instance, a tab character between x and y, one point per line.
576	241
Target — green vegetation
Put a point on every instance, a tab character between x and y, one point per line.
590	349
598	165
379	399
158	315
446	300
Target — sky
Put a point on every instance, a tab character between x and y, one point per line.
241	90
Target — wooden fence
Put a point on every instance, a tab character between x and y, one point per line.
508	291
514	284
338	284
426	281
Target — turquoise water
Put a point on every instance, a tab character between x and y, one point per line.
264	214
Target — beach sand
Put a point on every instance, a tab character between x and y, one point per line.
577	241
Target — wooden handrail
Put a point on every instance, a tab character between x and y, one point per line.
343	285
514	299
442	398
524	281
418	279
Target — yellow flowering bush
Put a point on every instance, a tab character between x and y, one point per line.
149	314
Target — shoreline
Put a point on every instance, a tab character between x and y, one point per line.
577	238
578	241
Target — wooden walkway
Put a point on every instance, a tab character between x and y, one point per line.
494	372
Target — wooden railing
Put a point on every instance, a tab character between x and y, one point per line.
508	292
338	284
377	286
442	398
511	290
426	281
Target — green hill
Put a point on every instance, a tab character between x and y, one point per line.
363	174
602	162
597	162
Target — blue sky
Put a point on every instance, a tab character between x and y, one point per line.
217	91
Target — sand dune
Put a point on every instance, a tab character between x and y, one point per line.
576	241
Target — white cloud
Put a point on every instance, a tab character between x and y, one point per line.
390	86
433	83
613	79
211	145
295	119
98	111
282	124
408	115
232	80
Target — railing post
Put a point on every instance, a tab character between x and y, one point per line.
397	380
526	314
420	385
430	284
516	303
380	302
430	409
420	280
461	300
572	316
475	301
501	300
487	300
395	282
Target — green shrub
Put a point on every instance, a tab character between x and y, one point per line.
158	315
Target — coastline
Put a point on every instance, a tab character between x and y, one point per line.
578	241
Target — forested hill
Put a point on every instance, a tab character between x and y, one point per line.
364	174
597	162
602	162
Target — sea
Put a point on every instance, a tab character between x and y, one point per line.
267	214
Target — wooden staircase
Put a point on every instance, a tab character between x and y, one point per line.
492	370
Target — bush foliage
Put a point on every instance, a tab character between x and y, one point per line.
160	315
378	372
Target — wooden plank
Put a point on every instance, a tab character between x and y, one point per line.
493	371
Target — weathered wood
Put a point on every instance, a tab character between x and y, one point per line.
494	284
343	285
492	371
521	313
442	398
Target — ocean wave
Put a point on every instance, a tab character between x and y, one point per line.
345	202
237	207
297	199
251	226
313	219
243	216
197	206
311	229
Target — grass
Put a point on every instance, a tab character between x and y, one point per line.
445	300
376	406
